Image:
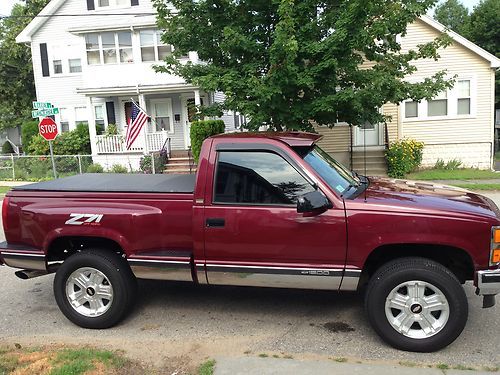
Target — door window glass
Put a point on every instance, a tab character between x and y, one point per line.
257	178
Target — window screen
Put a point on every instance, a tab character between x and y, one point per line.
257	178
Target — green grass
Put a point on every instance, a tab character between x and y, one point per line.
463	368
263	355
340	359
456	174
8	362
4	189
443	366
78	361
407	364
207	368
478	186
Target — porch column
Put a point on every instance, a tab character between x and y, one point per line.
92	130
142	104
197	98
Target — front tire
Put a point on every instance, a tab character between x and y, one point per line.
416	304
95	288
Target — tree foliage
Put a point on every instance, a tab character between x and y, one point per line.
284	63
454	15
17	88
484	30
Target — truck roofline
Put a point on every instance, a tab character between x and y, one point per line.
292	139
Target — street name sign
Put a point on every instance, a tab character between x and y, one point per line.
45	112
42	105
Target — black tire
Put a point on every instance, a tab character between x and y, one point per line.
399	271
117	273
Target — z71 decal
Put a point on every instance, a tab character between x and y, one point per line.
84	219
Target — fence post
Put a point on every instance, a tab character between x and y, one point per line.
153	162
13	167
79	163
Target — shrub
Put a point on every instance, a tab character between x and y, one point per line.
95	168
146	167
450	165
403	156
118	168
112	129
71	143
201	130
7	148
38	146
29	129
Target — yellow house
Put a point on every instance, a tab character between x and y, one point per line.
457	124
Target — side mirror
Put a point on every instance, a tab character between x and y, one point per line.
314	202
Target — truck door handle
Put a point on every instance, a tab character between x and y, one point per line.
216	223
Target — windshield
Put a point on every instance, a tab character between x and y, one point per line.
338	177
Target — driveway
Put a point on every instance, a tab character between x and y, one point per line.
174	324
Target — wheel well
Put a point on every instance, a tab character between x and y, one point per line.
63	247
455	259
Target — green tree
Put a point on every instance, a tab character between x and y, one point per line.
17	88
454	15
285	62
484	30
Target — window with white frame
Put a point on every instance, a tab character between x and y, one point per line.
109	48
463	97
81	116
58	67
57	61
162	115
99	118
75	65
455	102
63	115
152	47
112	3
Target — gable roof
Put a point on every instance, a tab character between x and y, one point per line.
494	61
37	22
54	5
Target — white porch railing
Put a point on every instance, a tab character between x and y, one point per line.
115	144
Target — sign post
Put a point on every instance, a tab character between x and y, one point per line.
48	130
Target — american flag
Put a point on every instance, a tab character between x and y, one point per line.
137	121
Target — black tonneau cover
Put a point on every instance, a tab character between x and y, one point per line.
114	182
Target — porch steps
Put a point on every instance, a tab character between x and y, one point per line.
375	162
180	162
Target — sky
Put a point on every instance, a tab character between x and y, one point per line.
6	5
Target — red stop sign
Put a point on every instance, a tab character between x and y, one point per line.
48	129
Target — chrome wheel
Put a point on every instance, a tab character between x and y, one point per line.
89	292
417	309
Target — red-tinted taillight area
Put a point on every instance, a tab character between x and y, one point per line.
5	208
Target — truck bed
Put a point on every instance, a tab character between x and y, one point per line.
114	182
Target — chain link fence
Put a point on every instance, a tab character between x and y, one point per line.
33	167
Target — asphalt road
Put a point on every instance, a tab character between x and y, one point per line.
174	324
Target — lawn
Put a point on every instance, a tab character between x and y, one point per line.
64	361
4	189
454	174
478	186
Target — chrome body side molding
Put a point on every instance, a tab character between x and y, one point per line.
350	281
275	277
162	265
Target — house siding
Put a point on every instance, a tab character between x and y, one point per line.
467	139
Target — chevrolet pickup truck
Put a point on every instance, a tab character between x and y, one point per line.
264	210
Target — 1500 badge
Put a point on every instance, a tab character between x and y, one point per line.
84	219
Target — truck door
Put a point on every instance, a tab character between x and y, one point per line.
253	233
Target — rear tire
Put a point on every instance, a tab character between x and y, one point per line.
416	304
95	288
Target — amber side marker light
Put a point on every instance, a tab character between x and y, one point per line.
495	252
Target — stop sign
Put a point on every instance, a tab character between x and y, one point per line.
48	129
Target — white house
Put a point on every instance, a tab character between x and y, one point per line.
92	58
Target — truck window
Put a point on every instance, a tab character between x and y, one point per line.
249	177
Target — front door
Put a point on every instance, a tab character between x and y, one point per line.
189	114
254	235
367	134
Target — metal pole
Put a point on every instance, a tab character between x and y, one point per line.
13	167
80	163
53	161
153	162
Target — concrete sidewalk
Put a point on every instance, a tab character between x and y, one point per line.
280	366
463	182
14	183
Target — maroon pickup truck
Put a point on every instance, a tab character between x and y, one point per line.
265	209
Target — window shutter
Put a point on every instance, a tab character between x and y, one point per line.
110	110
90	5
134	2
45	60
